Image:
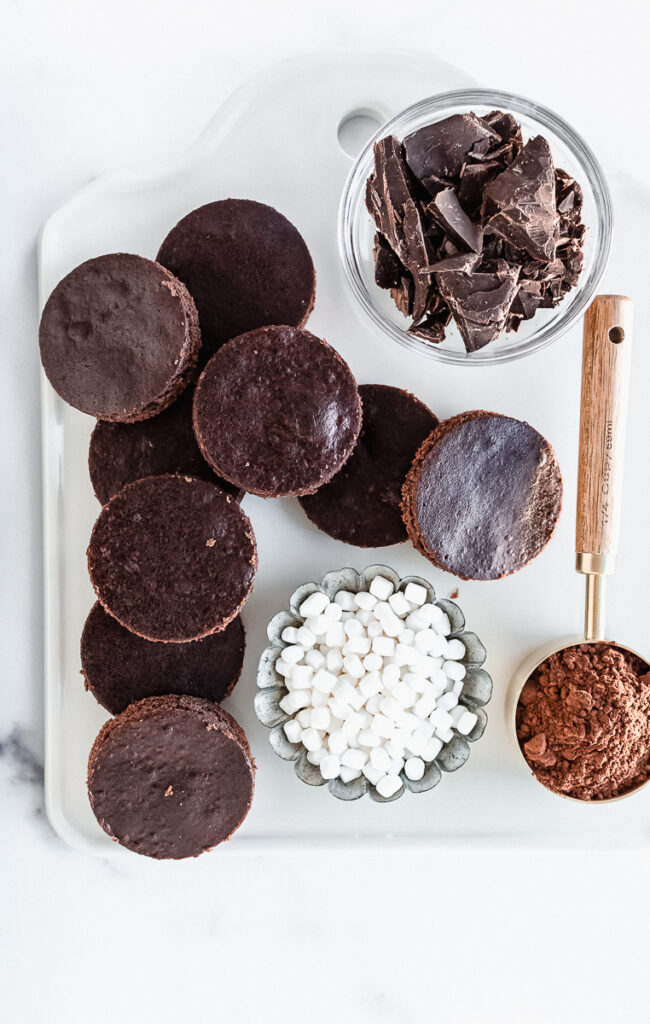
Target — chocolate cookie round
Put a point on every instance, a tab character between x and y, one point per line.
172	558
483	495
121	668
245	265
361	503
276	411
120	453
171	777
119	338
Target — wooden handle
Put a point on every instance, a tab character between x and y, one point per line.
606	350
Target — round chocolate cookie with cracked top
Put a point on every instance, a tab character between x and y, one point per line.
120	453
276	412
244	264
119	338
172	558
483	496
171	777
120	668
361	504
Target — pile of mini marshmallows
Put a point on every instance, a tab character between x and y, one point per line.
373	684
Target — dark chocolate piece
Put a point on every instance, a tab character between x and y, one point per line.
442	148
119	338
449	214
519	204
121	668
483	496
479	301
172	558
171	777
245	266
123	452
391	202
361	504
277	411
388	269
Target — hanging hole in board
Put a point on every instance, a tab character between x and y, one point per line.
356	128
616	335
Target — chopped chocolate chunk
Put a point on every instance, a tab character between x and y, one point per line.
465	261
505	127
388	269
391	203
442	148
449	214
473	179
519	204
479	301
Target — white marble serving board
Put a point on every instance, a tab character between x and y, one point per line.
276	140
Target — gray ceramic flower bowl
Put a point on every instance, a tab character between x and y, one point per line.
477	688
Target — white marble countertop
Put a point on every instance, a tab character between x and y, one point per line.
372	936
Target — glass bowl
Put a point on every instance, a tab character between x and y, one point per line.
570	153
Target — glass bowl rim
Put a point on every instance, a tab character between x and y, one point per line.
354	190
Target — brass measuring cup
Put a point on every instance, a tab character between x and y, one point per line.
607	342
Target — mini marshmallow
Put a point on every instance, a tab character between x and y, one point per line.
457	688
293	654
374	629
383	726
442	625
390	675
380	759
315	604
283	668
353	723
445	734
440	719
358	645
311	739
392	625
315	660
454	650
383	645
391	708
354	759
396	765
337	742
318	625
318	699
404	695
365	618
399	604
370	684
425	640
321	718
348	774
406	655
425	727
416	621
417	743
354	628
407	636
334	661
290	635
431	749
353	666
294	701
373	662
372	774
335	636
465	722
333	612
303	718
426	704
389	785
344	689
301	677
305	637
415	593
368	738
414	768
345	600
324	681
447	701
372	704
452	669
316	756
365	601
430	613
381	588
330	766
292	730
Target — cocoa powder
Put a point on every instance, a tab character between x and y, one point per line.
583	721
